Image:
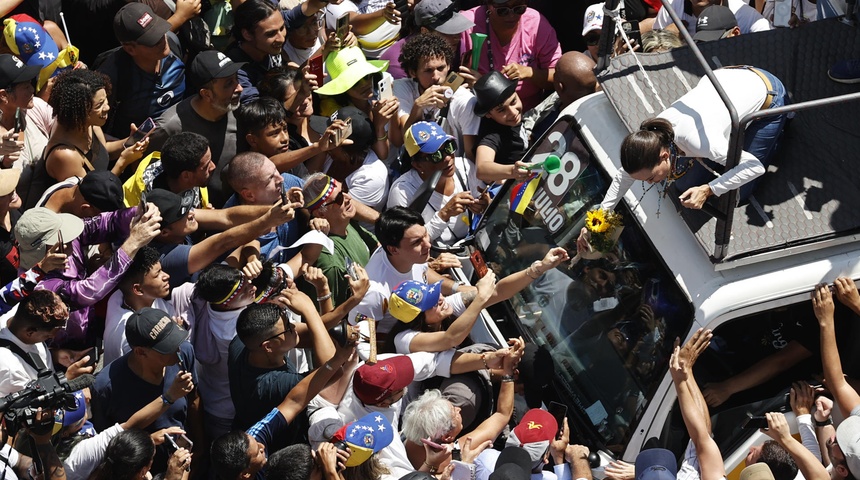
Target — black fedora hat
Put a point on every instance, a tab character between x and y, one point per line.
491	90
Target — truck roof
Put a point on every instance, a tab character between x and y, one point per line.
809	198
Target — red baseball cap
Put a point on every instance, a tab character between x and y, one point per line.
374	382
536	426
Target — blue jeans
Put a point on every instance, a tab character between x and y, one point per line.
760	139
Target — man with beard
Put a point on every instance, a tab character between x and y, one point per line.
261	30
209	112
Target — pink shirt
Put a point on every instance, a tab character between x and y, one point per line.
535	44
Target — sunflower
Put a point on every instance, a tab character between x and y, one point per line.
597	222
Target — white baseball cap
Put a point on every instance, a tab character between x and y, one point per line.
593	18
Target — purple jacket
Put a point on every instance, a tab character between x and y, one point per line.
81	292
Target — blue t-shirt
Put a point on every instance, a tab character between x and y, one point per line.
285	235
118	393
174	261
265	431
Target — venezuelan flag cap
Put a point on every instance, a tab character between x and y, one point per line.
411	298
365	436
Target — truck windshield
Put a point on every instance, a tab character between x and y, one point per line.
610	320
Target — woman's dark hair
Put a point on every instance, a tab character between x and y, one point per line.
641	149
182	153
126	455
216	281
72	96
277	81
424	46
418	323
247	15
230	454
393	223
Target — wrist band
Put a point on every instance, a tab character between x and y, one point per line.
165	400
825	423
484	359
507	378
431	467
384	137
537	272
324	297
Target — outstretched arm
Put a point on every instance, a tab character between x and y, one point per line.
310	386
822	303
693	406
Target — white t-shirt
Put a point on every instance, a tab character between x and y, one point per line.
40	121
14	457
403	190
116	316
749	20
702	128
369	183
384	277
403	339
15	374
461	119
88	454
214	380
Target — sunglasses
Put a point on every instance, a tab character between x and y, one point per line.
592	40
505	11
439	156
338	199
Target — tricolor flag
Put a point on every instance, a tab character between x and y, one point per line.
523	192
365	436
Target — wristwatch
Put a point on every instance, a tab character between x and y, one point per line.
825	423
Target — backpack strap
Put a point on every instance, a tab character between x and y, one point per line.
28	357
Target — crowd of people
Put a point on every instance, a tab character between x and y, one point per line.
213	228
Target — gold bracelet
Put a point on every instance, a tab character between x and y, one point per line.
484	359
384	137
431	467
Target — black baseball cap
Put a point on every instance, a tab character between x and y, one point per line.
103	190
136	22
172	207
153	328
210	65
713	23
13	71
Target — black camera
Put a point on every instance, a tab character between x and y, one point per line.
49	391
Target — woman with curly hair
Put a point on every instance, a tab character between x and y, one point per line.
77	145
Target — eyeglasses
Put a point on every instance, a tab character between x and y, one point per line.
338	199
592	40
447	148
505	11
290	328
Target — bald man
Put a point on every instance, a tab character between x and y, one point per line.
574	79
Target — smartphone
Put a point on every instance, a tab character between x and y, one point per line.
632	30
350	269
478	262
454	80
342	28
348	130
432	444
283	193
171	443
384	88
182	441
781	13
181	365
559	411
61	242
315	67
19	121
755	421
94	356
402	6
142	132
